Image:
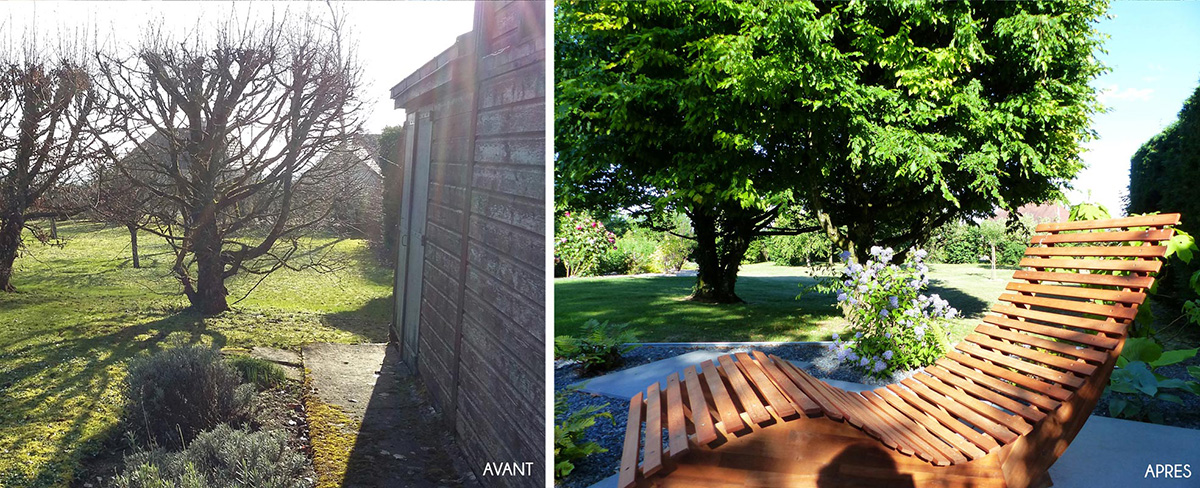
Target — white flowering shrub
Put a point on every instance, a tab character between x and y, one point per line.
895	326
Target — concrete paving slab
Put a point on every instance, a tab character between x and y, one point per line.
1115	453
626	383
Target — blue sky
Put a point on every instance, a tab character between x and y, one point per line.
1154	58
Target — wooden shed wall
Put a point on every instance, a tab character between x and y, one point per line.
482	322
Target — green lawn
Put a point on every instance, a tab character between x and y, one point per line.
82	311
656	309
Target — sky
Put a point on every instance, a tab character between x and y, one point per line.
394	38
1154	57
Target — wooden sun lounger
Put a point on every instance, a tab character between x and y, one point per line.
996	411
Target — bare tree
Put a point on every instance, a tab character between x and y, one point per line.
232	127
117	199
47	106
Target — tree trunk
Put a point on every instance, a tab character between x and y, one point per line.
718	261
10	242
993	261
133	244
208	297
53	228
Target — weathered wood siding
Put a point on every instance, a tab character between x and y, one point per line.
482	323
501	399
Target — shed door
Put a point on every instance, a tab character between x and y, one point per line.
412	234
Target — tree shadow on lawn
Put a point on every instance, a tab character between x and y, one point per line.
657	309
63	400
372	320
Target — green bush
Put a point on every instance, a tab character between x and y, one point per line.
580	242
259	372
757	252
177	393
673	251
600	349
568	434
1134	383
219	458
1010	253
638	245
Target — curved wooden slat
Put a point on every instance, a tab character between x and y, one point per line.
677	441
991	428
1113	311
1100	251
1033	355
775	399
731	421
745	395
627	477
1139	221
1135	282
1119	236
987	443
1011	422
1134	266
951	438
701	417
1084	338
1060	319
942	453
652	452
1035	398
1065	379
1085	353
801	381
981	392
1129	297
799	399
1049	389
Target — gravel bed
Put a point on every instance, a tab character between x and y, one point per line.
611	435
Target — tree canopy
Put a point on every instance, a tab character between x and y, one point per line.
881	120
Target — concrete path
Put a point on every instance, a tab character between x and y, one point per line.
400	440
1107	453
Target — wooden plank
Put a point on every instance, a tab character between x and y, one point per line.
1060	319
1135	282
979	440
1024	411
629	453
1026	367
1100	251
798	378
1049	389
775	399
1118	236
701	417
852	415
1011	422
1034	398
990	427
871	422
1114	311
730	418
958	442
1077	367
882	425
677	440
1094	340
1084	353
1135	266
923	441
652	459
799	399
745	395
1139	221
1129	297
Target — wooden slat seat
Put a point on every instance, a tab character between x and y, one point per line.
1010	394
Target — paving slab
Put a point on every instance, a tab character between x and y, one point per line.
400	440
626	383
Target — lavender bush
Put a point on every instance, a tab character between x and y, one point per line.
896	327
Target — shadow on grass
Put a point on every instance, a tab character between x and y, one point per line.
370	320
73	379
969	306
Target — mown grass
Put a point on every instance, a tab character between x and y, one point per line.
81	312
657	310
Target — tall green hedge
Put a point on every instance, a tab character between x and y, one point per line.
1163	176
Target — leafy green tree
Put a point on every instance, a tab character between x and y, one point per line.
882	120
